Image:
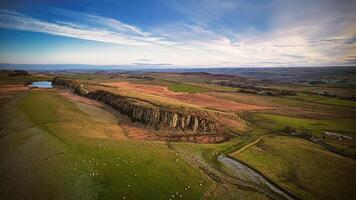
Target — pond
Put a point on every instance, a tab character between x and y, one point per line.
41	84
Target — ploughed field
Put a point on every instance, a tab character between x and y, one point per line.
159	136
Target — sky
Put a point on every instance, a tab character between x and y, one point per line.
179	33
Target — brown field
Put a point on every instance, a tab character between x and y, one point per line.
200	99
12	88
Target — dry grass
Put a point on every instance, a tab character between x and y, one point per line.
193	100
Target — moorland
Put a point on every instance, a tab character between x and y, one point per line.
164	135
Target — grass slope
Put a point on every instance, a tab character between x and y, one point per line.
51	155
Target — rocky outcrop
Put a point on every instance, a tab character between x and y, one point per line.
162	118
76	87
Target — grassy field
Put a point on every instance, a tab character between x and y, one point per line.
312	126
303	168
52	155
179	87
263	123
324	100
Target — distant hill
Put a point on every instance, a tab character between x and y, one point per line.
310	75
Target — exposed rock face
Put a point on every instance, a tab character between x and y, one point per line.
69	84
157	117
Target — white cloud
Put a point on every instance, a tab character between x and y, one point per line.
299	36
300	33
102	29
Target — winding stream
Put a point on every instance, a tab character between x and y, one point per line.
247	173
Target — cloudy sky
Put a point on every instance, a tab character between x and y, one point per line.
187	33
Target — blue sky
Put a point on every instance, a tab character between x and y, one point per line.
184	33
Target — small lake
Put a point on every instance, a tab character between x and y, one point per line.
41	84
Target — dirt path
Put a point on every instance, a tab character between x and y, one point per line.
248	145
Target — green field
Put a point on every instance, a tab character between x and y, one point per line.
303	168
271	123
180	87
312	126
51	155
323	100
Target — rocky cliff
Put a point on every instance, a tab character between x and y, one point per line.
190	122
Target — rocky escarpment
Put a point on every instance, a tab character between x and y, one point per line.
158	117
76	87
